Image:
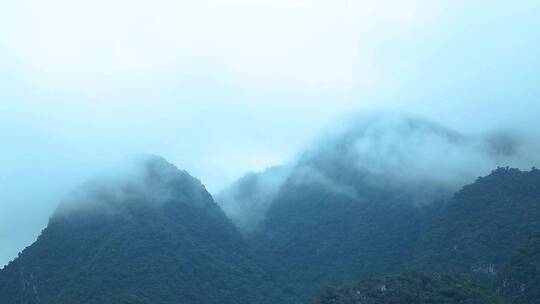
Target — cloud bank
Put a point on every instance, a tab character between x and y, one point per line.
418	160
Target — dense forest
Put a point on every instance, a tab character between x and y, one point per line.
411	287
161	238
519	282
167	244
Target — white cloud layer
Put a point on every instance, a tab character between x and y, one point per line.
310	42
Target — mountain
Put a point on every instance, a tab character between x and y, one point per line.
377	196
374	198
153	236
481	227
341	213
319	237
411	287
519	283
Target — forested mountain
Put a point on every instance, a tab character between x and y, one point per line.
411	287
317	234
318	237
155	238
338	214
519	283
481	227
342	212
486	231
372	199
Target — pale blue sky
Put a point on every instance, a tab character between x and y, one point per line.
223	87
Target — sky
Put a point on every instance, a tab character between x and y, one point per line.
220	88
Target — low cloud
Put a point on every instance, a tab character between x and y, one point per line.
382	153
247	200
143	179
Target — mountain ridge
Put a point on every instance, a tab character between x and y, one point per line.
145	252
159	237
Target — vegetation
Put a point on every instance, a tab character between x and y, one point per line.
162	239
411	287
319	238
182	250
483	225
520	281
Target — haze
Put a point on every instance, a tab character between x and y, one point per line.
220	88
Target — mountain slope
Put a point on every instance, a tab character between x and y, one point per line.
158	238
484	223
411	287
519	283
342	214
318	237
377	197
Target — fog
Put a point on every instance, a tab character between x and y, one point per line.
366	154
140	182
415	150
221	88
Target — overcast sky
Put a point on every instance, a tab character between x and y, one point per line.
223	87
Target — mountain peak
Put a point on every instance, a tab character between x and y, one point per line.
146	234
145	181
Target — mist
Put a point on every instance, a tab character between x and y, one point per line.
222	88
141	179
387	152
417	150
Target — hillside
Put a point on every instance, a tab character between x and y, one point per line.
155	235
481	227
319	238
376	197
519	283
342	213
154	238
411	287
